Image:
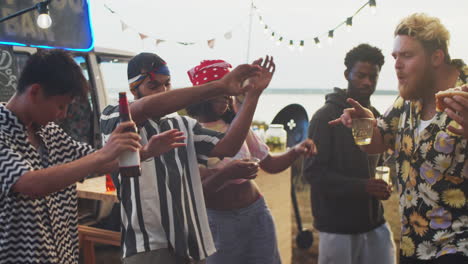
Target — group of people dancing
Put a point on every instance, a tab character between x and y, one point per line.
196	200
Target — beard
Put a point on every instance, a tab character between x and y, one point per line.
421	85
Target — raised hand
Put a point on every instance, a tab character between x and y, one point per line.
120	141
357	111
306	148
457	109
233	83
261	81
163	142
240	169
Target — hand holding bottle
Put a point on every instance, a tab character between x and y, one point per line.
120	141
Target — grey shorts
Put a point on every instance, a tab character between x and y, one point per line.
375	246
244	235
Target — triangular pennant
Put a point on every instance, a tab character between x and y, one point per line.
228	35
142	36
159	41
123	25
211	43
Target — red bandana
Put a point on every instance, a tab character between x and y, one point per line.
207	71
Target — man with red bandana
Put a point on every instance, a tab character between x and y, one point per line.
163	212
240	221
430	146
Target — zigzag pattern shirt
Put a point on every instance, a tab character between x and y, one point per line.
44	229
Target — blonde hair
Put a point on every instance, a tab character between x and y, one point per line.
426	29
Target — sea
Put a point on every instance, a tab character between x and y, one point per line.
273	100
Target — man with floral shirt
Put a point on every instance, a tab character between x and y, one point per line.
430	147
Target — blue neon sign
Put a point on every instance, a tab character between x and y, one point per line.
71	27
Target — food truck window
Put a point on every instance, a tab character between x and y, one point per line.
79	120
114	76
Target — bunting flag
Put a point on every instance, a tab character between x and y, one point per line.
279	38
211	43
123	25
228	35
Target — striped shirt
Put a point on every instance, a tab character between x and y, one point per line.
44	229
165	207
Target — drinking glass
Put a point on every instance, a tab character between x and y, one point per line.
362	130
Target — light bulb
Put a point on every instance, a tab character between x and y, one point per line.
349	24
330	36
278	42
44	21
373	6
301	45
272	36
291	45
317	42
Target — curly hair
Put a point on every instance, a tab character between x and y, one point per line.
427	30
364	53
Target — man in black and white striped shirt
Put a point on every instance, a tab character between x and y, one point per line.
163	211
40	163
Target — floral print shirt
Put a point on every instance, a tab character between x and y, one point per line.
432	171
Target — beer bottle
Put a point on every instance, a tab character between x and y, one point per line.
129	161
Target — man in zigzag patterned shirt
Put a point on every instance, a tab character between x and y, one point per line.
40	163
163	212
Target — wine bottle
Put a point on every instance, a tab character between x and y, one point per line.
129	161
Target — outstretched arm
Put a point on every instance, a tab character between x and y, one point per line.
230	144
157	145
358	111
46	181
158	105
278	163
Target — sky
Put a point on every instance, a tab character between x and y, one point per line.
315	68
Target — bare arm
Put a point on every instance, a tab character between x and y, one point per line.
213	179
158	105
230	144
53	179
278	163
377	144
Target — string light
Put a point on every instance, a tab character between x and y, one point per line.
373	6
349	24
279	41
330	36
317	42
291	45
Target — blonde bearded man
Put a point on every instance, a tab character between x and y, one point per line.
430	146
